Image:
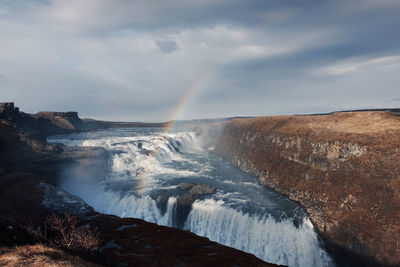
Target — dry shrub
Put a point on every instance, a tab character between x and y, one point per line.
71	236
64	231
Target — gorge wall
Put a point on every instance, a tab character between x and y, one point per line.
343	168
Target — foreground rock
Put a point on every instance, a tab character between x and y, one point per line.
343	168
128	241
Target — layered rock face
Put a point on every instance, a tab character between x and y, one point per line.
344	169
68	121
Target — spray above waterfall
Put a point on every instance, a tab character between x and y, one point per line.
187	95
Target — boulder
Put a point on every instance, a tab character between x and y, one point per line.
185	201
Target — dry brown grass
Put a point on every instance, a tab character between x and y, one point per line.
39	255
350	126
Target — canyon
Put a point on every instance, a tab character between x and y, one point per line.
343	168
30	171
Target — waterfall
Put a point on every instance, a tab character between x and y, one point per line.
174	158
273	241
280	242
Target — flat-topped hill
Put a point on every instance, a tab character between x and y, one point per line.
64	120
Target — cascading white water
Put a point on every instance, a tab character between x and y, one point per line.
234	216
271	240
278	242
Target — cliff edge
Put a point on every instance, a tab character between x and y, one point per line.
344	169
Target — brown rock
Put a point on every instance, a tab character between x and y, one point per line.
185	201
201	189
196	189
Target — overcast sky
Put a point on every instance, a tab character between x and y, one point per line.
135	60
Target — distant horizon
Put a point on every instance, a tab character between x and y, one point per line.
209	118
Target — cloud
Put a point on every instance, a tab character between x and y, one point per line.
355	65
134	60
167	46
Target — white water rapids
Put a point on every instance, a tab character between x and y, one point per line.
241	214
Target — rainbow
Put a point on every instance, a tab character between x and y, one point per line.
187	95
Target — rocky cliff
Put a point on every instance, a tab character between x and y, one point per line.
344	169
53	123
42	123
67	121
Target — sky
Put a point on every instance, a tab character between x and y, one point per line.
150	60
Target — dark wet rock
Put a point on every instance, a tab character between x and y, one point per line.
183	208
202	189
185	186
62	202
149	152
185	201
196	189
121	228
161	198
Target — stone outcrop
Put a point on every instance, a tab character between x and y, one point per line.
67	121
184	202
42	123
8	110
196	189
344	169
188	193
